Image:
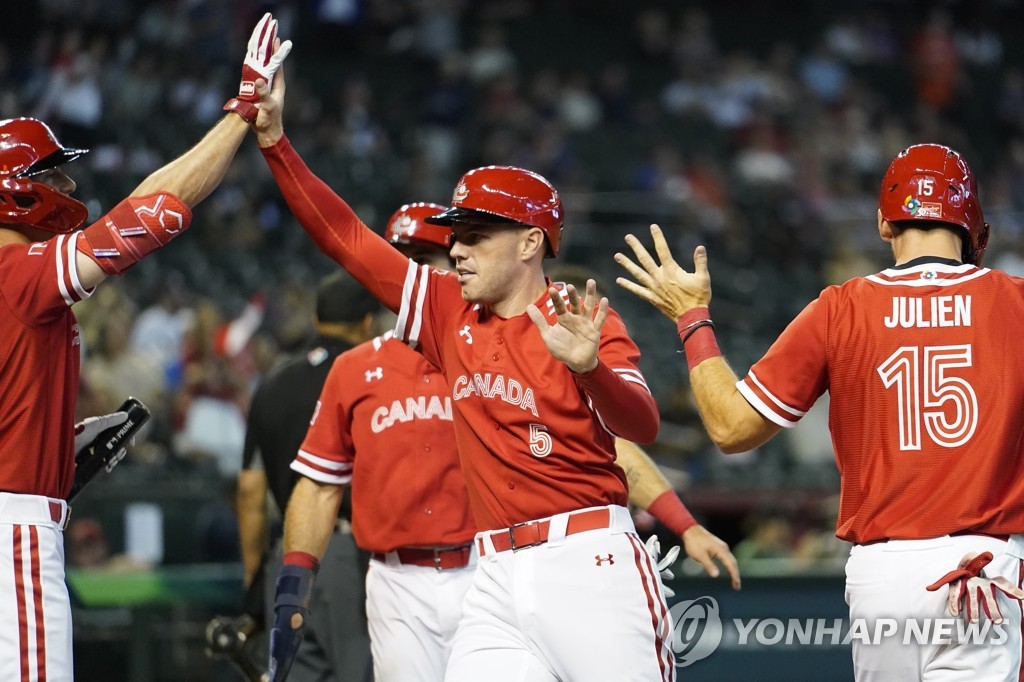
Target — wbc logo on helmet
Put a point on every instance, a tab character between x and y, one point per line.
404	226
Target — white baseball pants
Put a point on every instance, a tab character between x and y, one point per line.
586	606
35	639
412	613
888	579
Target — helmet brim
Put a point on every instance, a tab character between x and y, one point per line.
57	158
456	214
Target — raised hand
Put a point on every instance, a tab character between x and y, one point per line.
576	335
262	60
269	124
668	287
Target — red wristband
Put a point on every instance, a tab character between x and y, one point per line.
303	559
672	513
698	336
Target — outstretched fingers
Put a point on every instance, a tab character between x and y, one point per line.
557	302
537	317
634	288
602	314
642	255
638	273
661	246
574	299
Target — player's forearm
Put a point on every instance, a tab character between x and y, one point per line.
729	419
646	482
626	408
253	525
650	490
193	175
311	516
335	228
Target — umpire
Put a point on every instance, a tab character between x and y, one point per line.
336	645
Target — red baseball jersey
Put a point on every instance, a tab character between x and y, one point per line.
534	439
531	441
384	424
927	391
40	347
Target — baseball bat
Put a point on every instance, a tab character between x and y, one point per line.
105	451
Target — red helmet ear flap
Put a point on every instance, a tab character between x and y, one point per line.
37	204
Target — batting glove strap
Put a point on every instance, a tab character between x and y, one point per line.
971	570
247	110
294	586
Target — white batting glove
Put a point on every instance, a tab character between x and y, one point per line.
87	429
663	563
261	61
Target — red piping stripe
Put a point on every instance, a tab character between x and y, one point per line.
37	593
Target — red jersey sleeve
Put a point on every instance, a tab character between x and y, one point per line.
335	228
429	296
616	390
793	374
40	280
327	453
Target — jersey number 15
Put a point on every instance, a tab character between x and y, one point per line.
925	389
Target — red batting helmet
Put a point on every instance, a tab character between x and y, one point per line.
505	194
29	147
408	225
931	182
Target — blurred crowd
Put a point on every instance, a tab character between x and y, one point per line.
757	129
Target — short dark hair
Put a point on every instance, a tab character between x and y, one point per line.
339	298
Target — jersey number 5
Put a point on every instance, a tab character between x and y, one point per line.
925	389
540	440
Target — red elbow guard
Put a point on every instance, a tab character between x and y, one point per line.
133	229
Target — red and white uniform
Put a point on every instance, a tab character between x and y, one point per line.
925	405
40	346
384	425
536	441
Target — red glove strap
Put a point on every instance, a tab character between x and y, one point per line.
303	559
971	570
697	334
247	110
672	513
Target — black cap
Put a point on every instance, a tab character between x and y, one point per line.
339	298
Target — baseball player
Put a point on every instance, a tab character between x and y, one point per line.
378	399
384	425
541	382
337	645
47	264
925	382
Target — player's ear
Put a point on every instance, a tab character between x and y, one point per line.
531	243
885	230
